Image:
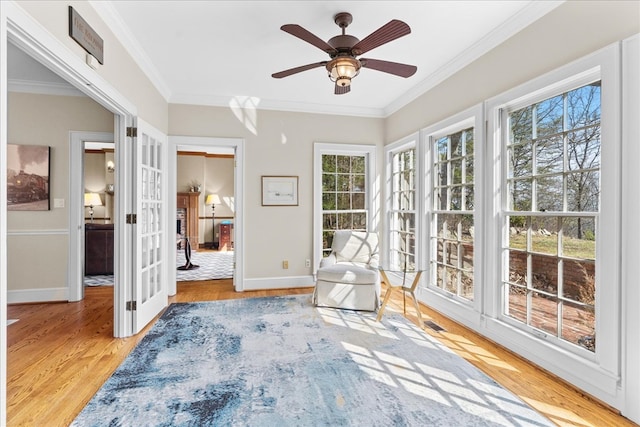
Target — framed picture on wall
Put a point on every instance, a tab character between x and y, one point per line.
279	191
28	168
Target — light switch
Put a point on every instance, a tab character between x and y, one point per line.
58	203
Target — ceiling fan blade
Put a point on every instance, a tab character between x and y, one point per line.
301	33
300	69
390	31
341	90
402	70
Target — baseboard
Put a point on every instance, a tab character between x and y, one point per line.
23	296
278	283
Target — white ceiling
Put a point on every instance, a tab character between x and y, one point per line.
218	52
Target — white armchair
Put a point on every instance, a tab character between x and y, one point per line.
349	278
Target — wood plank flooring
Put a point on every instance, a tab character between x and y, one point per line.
59	355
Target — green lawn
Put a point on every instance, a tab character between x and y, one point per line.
576	248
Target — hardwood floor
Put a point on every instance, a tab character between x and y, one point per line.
60	354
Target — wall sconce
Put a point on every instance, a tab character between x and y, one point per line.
111	166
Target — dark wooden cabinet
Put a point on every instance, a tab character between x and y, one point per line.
98	249
226	237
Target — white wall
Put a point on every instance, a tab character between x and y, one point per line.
218	179
96	178
119	69
215	174
43	235
277	143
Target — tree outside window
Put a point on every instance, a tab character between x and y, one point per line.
553	180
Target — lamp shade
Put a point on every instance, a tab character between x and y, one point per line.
212	199
343	69
92	199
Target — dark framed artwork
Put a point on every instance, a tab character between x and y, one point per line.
28	168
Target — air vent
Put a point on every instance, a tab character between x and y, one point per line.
433	325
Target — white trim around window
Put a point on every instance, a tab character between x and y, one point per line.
389	151
631	226
597	374
372	188
463	311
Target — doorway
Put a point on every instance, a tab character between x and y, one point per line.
205	214
232	195
100	185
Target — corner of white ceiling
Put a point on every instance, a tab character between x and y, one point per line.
523	18
114	21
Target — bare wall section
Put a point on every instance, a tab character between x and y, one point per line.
119	69
37	242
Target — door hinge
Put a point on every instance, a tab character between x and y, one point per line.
132	219
132	305
132	132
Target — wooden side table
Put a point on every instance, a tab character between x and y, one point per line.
226	237
404	288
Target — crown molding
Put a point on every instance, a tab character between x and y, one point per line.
114	21
294	107
516	23
42	88
500	34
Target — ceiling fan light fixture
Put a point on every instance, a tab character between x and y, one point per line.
343	69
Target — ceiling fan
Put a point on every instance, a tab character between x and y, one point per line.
344	50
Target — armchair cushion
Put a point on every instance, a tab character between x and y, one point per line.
355	246
348	273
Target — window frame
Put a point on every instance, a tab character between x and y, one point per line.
404	144
465	310
535	212
597	372
371	187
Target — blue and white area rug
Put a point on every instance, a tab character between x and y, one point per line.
280	361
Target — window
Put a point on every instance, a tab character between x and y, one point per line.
402	222
343	190
553	201
553	280
452	214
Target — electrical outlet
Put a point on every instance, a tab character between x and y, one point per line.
307	263
285	264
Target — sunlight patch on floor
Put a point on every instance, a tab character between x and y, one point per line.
442	386
558	415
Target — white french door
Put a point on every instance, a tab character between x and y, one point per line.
150	226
